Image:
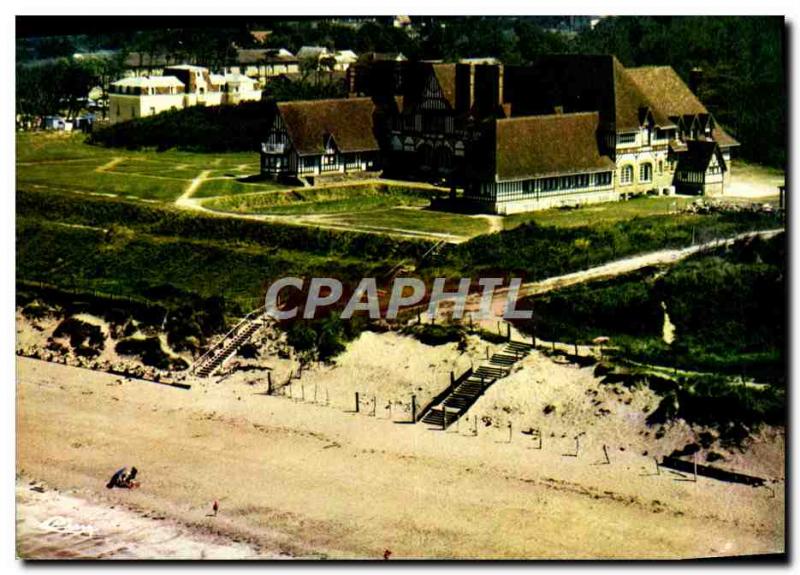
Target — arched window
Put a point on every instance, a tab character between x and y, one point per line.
626	176
646	172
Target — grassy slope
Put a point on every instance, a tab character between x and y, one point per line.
600	213
126	262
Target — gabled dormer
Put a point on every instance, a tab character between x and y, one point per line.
329	143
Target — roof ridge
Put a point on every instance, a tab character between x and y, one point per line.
549	116
324	101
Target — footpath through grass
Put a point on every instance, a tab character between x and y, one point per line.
63	162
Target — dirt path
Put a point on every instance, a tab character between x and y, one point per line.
309	481
316	220
495	222
183	200
109	165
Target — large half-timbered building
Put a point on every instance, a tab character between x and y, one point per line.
564	130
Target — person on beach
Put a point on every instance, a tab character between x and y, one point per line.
215	507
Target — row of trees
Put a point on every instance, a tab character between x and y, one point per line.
742	57
62	85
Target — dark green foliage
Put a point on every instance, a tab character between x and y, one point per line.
150	352
433	334
80	333
248	351
37	310
302	337
491	336
318	85
715	402
198	129
330	338
323	338
728	308
587	311
742	59
534	252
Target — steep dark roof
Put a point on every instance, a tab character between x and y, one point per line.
698	155
631	102
723	138
348	120
535	146
581	83
663	86
446	76
673	97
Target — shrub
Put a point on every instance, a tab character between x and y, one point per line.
79	332
150	352
434	334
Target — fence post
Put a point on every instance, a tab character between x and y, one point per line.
576	349
508	332
452	379
357	405
414	408
269	383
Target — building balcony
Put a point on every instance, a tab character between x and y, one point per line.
267	148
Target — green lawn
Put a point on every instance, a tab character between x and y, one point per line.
424	221
233	187
599	213
300	201
82	177
63	162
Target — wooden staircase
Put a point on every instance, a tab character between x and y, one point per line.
466	390
223	350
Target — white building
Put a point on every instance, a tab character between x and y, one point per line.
181	86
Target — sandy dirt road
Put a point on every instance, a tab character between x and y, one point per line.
307	481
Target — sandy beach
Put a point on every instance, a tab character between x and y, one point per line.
298	479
